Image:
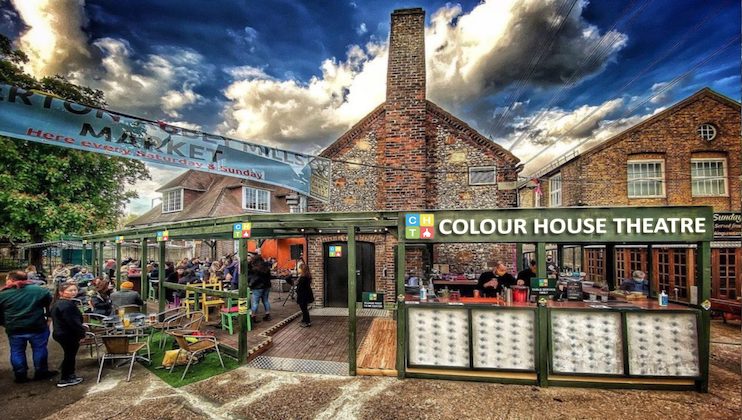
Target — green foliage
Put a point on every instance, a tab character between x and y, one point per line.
48	190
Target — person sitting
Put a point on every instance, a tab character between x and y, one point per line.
637	283
83	277
34	276
525	276
503	277
488	285
100	301
126	296
61	271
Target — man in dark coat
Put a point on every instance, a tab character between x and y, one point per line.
24	309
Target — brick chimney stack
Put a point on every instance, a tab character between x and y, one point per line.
404	144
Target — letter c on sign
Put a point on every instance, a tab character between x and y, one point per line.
441	227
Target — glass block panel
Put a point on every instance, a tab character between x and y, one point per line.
586	342
438	337
663	344
503	339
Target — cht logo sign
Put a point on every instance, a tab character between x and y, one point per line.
419	226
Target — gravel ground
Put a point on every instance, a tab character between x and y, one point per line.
251	393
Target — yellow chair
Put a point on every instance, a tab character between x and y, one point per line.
189	301
208	302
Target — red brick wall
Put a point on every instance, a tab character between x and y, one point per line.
404	142
600	178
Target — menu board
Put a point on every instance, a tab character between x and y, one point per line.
438	337
503	339
586	342
663	344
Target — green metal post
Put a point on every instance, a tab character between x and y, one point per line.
143	280
541	259
101	258
519	257
352	300
610	266
117	272
84	250
543	321
401	316
243	293
560	256
94	263
161	277
703	282
650	271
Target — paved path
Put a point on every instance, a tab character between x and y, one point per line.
260	394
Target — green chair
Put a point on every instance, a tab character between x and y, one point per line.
229	313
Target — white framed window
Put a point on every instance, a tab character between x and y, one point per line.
172	200
708	177
645	178
256	199
706	132
482	175
301	207
555	190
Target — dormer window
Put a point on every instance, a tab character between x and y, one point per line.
172	201
256	199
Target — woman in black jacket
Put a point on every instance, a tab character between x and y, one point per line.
304	295
100	299
68	331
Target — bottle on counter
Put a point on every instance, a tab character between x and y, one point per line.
508	295
423	293
663	298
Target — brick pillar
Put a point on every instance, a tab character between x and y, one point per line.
404	140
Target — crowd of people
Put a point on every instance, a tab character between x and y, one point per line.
30	302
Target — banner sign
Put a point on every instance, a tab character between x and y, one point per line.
728	226
562	225
48	119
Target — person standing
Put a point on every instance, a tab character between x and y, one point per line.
24	309
504	278
259	281
525	276
304	295
68	331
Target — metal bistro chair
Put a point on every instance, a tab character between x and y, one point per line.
93	337
186	322
194	350
119	347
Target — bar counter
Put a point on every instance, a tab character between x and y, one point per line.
571	343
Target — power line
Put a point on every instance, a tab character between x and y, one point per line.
664	89
599	50
522	82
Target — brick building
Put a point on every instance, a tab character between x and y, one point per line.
408	154
197	195
689	154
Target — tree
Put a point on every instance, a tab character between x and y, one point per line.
49	190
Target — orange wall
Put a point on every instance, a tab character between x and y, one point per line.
280	249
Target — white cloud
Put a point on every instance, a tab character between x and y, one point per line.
56	44
361	29
469	57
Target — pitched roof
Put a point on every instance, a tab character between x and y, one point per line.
475	136
703	93
191	180
216	201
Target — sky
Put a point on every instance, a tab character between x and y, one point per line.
539	77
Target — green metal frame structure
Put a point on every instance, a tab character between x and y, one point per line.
267	226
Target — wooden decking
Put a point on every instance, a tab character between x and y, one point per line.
378	350
326	339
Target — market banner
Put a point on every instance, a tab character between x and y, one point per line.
45	118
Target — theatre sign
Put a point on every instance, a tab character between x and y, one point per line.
563	225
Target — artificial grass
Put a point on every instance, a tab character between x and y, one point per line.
206	368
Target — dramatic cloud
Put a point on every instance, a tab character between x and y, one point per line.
549	134
56	44
469	57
